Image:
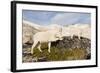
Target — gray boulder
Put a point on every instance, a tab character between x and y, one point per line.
75	42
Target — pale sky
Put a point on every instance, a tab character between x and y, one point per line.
51	17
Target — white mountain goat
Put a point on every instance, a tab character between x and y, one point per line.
46	36
77	30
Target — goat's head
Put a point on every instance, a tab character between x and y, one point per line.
59	36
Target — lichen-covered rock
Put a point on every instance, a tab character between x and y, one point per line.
72	43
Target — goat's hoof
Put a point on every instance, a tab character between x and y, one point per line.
49	51
31	52
41	51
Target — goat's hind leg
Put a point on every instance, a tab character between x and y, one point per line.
33	46
39	47
49	45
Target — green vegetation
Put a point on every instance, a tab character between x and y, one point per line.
60	54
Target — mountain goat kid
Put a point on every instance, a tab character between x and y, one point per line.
45	36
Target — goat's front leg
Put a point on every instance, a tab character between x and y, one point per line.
49	45
79	36
71	36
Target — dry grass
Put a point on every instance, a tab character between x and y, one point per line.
61	54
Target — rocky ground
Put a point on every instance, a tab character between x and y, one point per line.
72	49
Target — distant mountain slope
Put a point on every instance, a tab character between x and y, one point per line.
36	26
29	29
